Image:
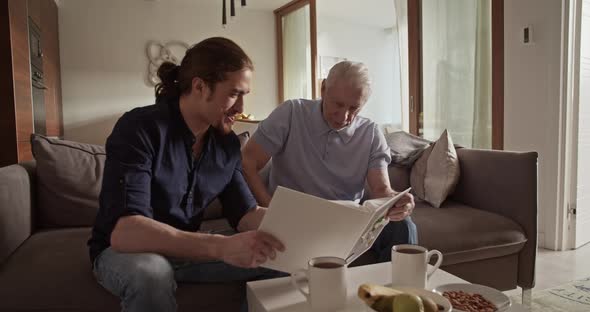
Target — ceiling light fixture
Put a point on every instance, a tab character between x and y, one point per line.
232	10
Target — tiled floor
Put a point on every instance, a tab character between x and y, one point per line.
555	268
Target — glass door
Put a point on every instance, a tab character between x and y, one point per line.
456	70
296	47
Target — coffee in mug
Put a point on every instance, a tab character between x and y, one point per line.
409	265
327	279
409	251
327	265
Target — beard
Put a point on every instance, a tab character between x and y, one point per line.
223	126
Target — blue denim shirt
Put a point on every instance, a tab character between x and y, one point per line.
150	171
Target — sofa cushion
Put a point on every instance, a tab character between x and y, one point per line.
15	209
69	177
442	174
53	267
463	233
436	173
418	173
399	177
405	148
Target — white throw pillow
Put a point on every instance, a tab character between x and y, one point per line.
436	173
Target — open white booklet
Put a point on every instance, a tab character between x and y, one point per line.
311	227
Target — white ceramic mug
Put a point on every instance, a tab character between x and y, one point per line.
409	265
327	278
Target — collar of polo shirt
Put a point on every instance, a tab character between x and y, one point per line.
321	127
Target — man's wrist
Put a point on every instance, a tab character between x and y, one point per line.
216	244
384	193
252	219
265	202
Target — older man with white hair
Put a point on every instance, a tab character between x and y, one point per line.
323	148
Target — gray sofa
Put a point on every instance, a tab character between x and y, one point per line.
486	230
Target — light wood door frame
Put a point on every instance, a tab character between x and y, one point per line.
415	68
279	13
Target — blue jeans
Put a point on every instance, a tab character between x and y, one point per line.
147	281
394	233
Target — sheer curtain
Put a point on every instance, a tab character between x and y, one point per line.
297	54
456	69
401	24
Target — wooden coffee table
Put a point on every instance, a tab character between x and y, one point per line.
277	295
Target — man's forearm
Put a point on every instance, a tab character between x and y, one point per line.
135	234
251	220
384	192
256	184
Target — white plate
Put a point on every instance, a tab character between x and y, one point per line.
496	297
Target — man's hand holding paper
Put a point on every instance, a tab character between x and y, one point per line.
402	208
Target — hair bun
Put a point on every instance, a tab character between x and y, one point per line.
168	74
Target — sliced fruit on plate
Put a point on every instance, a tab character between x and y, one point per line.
385	299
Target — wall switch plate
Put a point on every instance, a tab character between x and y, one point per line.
527	35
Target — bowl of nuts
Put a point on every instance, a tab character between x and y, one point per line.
474	298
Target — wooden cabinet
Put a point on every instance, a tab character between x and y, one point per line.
16	109
16	124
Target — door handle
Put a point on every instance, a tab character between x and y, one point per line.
38	85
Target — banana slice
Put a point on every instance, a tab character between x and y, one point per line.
430	305
378	297
407	303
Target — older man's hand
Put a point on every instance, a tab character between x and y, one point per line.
402	209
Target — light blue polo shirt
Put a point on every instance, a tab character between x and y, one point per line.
310	157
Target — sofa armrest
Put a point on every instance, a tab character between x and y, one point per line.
504	183
16	206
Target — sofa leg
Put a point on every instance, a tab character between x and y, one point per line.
527	297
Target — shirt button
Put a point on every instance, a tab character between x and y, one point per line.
121	181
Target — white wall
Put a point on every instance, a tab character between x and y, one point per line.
103	60
532	98
377	48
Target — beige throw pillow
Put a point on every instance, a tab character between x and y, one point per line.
418	173
436	173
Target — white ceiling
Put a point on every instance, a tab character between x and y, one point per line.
268	5
379	13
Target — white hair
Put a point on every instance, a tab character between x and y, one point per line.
355	73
